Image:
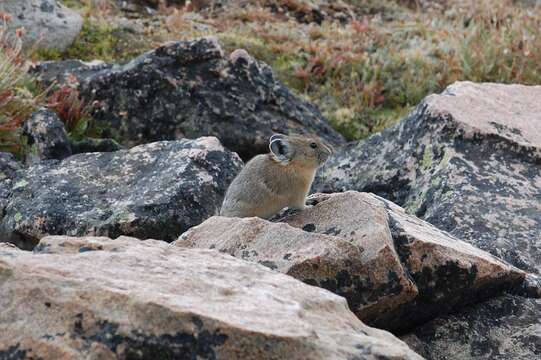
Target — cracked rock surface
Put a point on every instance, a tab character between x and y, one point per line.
503	328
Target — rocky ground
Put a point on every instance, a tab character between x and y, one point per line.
191	89
467	161
422	241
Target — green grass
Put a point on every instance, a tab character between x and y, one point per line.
75	4
95	41
99	39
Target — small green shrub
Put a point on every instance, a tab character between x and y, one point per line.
101	40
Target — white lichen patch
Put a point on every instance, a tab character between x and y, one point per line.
127	191
20	184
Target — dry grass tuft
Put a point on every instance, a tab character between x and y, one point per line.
17	96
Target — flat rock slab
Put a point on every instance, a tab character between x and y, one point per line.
156	190
126	298
191	89
508	112
395	270
467	161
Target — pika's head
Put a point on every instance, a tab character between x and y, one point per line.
299	150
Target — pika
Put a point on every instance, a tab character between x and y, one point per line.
279	179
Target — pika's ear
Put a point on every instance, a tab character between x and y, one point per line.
276	136
280	150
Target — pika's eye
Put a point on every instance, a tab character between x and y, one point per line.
313	145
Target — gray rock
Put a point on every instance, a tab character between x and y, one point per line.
467	161
137	8
155	190
98	298
395	270
8	169
504	328
49	72
48	24
45	137
191	89
8	166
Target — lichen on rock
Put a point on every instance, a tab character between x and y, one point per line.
482	144
156	190
191	89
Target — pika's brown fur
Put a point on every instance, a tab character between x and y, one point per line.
281	178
